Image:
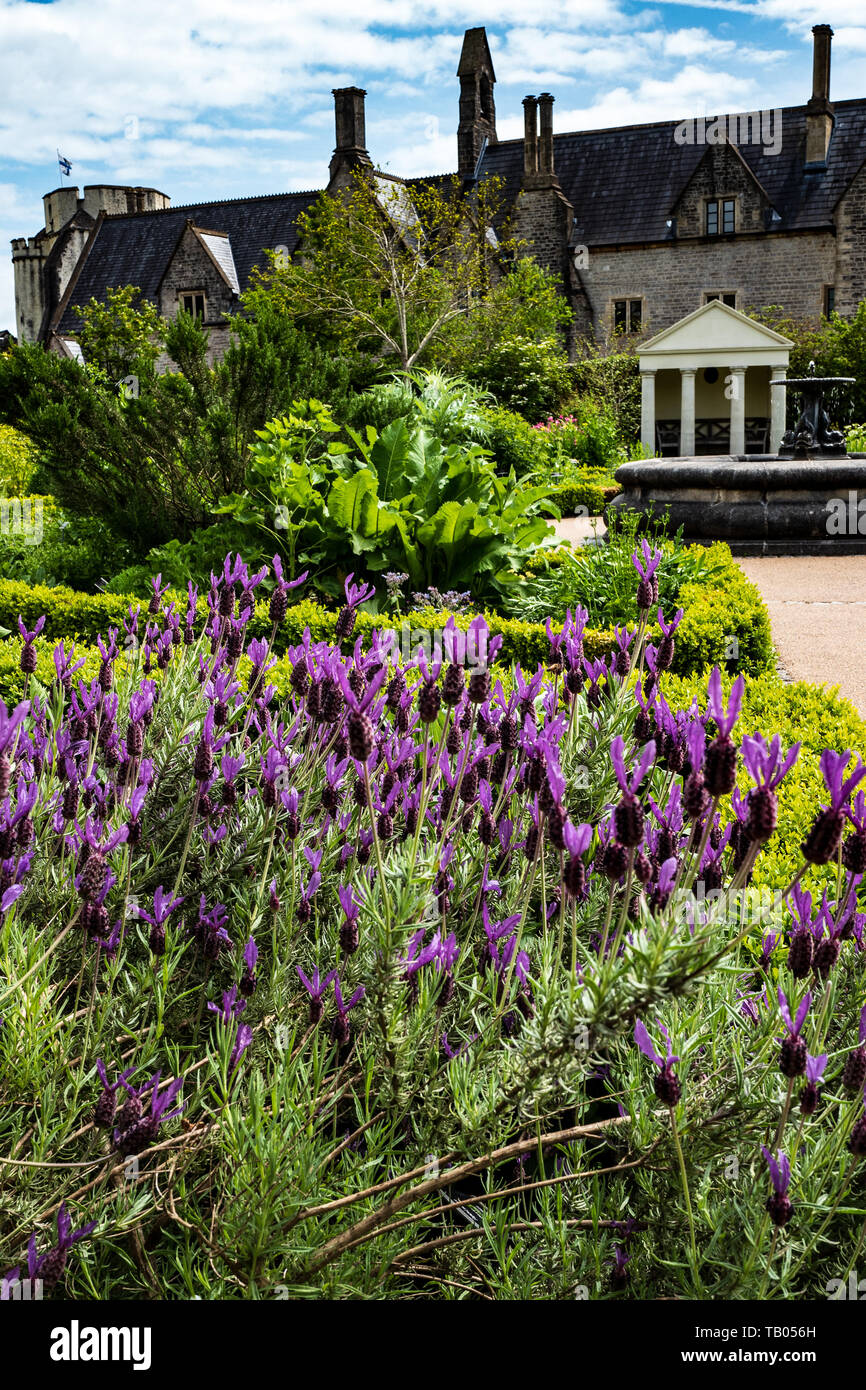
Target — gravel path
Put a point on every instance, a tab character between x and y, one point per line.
817	608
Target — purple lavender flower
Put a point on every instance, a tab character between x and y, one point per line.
667	646
822	842
50	1266
349	928
356	594
577	840
315	989
647	591
814	1071
341	1029
103	1114
792	1058
230	1008
779	1204
243	1039
666	1084
209	932
248	979
163	906
629	816
767	768
144	1130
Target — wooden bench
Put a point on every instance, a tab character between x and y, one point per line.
713	436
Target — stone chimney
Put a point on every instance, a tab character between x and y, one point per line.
545	147
351	147
530	137
819	111
477	108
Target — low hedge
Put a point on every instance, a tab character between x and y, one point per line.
728	623
579	493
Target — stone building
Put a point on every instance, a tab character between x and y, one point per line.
643	224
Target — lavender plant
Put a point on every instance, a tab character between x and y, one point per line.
352	993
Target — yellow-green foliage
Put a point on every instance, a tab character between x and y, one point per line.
17	462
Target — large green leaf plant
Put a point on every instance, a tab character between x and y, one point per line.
396	500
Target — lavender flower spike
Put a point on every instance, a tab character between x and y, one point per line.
666	1084
779	1204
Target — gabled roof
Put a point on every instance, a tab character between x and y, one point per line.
135	248
711	325
624	183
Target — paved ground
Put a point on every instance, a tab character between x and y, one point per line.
817	610
578	529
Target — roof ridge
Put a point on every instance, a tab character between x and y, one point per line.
674	121
215	202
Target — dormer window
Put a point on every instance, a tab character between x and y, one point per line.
720	216
193	302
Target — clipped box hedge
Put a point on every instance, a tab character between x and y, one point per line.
724	623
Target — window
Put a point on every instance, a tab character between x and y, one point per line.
627	315
728	297
193	303
829	300
720	216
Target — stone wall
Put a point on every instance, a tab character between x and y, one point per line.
672	278
193	271
721	174
850	276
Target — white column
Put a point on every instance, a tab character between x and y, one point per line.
738	410
687	411
648	410
777	408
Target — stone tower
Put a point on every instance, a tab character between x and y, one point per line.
477	108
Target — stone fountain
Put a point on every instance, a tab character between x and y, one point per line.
809	499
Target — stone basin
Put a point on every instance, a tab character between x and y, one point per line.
758	503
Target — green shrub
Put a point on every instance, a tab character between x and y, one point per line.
514	442
180	561
855	439
526	376
611	384
726	620
43	544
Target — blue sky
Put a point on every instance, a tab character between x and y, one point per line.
225	98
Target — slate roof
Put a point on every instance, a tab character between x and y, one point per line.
624	183
135	249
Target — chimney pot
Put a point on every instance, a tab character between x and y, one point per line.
530	135
819	109
545	148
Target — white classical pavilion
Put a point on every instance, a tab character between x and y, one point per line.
705	385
